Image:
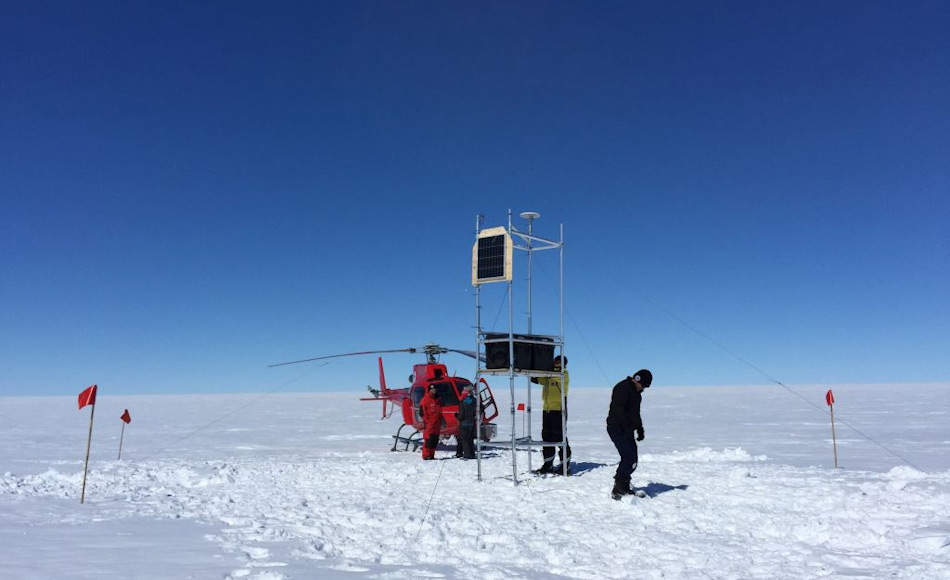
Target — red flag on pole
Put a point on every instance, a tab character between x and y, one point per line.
87	397
521	406
126	417
830	399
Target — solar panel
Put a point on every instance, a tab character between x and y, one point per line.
491	256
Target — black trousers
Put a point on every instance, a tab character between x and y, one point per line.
466	440
551	431
626	444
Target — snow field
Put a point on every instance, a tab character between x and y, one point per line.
711	514
265	501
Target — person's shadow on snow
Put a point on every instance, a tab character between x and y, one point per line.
581	467
654	489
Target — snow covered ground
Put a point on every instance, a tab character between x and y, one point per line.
741	484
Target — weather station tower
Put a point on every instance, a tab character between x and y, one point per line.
509	352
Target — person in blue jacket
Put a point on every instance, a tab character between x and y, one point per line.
466	417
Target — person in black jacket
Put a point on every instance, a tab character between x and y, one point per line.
625	426
466	416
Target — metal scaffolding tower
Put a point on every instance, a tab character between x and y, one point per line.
511	354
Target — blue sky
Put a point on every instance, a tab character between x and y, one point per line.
189	193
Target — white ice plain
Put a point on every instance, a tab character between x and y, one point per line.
741	485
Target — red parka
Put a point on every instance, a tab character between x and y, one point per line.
431	409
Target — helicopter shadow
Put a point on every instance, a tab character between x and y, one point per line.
654	489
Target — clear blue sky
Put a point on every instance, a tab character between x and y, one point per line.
192	191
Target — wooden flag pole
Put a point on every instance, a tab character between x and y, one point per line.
834	441
82	498
121	436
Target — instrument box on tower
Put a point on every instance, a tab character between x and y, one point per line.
531	352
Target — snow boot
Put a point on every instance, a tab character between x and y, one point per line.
547	467
621	488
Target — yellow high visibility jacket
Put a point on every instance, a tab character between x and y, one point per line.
551	391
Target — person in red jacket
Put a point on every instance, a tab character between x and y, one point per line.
431	409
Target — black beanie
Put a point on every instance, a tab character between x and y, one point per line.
644	377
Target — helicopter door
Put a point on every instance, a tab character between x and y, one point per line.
447	395
448	398
489	408
417	393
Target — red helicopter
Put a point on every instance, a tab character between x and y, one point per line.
408	398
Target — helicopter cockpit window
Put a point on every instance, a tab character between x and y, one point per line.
462	383
447	394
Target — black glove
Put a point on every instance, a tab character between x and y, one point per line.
640	434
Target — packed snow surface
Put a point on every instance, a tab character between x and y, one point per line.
740	483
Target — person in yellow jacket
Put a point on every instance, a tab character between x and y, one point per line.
551	416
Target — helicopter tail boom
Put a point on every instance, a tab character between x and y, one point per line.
382	385
382	377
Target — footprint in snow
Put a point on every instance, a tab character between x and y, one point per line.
255	553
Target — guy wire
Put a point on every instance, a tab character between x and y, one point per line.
431	497
500	306
567	311
769	377
232	412
732	354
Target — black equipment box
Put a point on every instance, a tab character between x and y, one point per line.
537	355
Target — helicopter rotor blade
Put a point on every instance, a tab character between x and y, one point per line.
468	353
293	362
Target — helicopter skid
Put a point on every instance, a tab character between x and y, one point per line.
414	440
